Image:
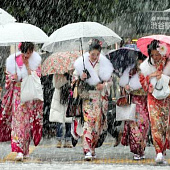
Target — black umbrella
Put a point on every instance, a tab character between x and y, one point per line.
122	58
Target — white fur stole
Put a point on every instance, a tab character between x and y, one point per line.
12	67
134	82
105	69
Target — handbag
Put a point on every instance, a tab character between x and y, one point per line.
31	88
74	108
126	113
162	89
125	99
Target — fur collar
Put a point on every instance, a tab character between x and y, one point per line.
147	69
105	69
34	62
134	82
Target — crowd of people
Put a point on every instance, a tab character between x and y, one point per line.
93	74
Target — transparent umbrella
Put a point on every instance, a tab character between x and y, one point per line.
5	17
13	33
72	36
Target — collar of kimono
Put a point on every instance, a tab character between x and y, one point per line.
93	63
104	72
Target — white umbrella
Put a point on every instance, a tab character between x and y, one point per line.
21	32
68	37
5	17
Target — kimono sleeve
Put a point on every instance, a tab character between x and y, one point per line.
9	79
145	82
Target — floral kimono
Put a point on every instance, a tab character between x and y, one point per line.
158	109
135	132
95	106
24	120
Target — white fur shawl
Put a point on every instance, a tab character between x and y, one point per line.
105	69
12	67
147	69
134	82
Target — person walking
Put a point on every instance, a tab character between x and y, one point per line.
135	132
26	118
97	82
58	109
153	69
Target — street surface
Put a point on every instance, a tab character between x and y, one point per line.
47	157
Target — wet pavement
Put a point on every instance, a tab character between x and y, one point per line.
47	156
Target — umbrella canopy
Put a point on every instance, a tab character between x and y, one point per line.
59	63
122	58
68	37
5	17
21	32
143	42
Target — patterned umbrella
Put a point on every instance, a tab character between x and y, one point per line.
59	63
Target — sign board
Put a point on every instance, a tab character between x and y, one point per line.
153	23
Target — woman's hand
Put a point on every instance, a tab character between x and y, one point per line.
25	61
156	74
100	87
159	74
84	76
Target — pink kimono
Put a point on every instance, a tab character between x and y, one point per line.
20	121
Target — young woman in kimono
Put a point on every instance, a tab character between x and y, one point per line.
135	132
27	118
97	88
156	65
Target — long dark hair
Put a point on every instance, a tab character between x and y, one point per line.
141	56
152	46
95	45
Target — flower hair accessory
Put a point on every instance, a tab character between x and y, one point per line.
162	49
19	46
95	40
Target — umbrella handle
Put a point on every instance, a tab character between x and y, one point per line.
87	72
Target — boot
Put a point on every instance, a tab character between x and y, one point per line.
59	144
68	144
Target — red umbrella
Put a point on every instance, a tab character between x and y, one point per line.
143	42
